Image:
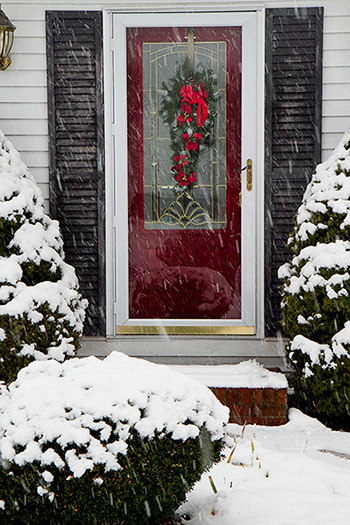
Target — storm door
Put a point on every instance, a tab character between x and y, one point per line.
184	195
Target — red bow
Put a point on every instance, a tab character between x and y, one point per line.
202	108
196	97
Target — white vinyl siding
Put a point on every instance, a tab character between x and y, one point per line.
336	77
23	98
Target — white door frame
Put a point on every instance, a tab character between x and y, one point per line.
115	25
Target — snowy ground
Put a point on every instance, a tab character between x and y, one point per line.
298	473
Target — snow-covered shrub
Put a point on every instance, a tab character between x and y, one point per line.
316	292
115	441
41	310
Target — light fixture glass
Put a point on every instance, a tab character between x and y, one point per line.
6	39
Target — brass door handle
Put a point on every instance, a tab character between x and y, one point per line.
249	174
249	168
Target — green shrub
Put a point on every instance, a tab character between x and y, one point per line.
156	474
41	310
119	441
316	293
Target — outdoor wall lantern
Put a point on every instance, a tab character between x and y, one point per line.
6	39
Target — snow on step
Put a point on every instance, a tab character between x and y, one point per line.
248	374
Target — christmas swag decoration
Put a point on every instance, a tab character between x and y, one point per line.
188	109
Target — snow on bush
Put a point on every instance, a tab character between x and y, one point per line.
41	310
136	432
316	292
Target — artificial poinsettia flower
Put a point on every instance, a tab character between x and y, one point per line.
191	141
185	180
194	146
181	161
185	115
186	107
187	93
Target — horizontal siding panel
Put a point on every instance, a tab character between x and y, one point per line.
332	75
44	189
24	127
330	140
334	24
336	58
336	91
336	108
29	142
23	94
337	41
36	158
20	110
326	153
40	174
336	124
30	45
30	28
14	78
20	10
21	62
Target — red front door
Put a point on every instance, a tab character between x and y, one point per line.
184	230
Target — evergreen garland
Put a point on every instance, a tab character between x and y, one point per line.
188	110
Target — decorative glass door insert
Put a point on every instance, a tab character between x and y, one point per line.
203	205
184	155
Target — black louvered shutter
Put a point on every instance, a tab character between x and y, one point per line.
293	132
75	111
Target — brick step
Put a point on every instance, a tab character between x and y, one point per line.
260	406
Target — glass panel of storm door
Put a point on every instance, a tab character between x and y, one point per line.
184	241
162	206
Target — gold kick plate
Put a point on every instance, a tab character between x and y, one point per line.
184	330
